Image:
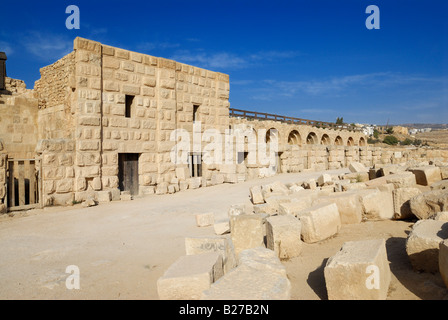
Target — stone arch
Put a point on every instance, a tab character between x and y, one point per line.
294	138
362	142
325	140
338	141
275	132
312	138
350	142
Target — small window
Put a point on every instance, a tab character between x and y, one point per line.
195	113
128	110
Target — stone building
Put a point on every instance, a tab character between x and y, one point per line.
99	124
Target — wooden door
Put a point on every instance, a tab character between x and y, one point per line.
128	172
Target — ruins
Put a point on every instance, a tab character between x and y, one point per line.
98	127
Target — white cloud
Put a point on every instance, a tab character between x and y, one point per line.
7	48
48	47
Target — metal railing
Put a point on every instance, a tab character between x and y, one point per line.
253	115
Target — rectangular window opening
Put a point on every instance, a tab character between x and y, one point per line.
128	110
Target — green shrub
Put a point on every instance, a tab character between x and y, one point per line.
391	140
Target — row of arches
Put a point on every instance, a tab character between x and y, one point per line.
294	138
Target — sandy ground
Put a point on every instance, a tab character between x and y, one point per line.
122	248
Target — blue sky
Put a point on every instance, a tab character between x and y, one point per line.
308	59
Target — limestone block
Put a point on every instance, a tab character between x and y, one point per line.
227	168
183	185
182	173
283	235
205	219
324	179
259	276
357	177
194	183
399	180
64	186
221	244
357	167
279	187
429	203
125	196
440	185
377	205
217	178
443	261
354	186
221	227
444	172
236	210
441	216
359	271
319	222
426	175
3	208
256	195
422	244
348	203
188	276
294	206
162	188
402	197
247	231
104	196
265	208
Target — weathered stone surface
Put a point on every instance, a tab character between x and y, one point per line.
376	205
221	227
399	180
429	203
357	167
266	208
319	222
189	276
444	172
259	276
359	271
294	206
402	197
247	231
443	261
422	244
440	185
220	244
104	196
283	235
348	203
324	179
441	216
256	195
426	175
205	219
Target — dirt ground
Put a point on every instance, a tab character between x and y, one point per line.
122	248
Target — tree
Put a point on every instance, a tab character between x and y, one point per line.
390	130
340	120
376	134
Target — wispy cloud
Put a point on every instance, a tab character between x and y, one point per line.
6	47
47	46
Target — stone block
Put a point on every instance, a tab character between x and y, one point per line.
348	203
441	216
259	276
104	196
125	196
440	185
324	179
357	167
265	208
256	195
402	197
189	276
443	261
183	173
205	219
319	222
221	244
247	231
283	235
359	271
221	227
377	205
194	183
422	244
399	180
426	175
294	206
429	203
444	172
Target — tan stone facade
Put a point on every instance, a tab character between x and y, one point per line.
101	119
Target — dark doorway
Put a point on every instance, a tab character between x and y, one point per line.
128	172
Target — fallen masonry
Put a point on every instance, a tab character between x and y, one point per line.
254	240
